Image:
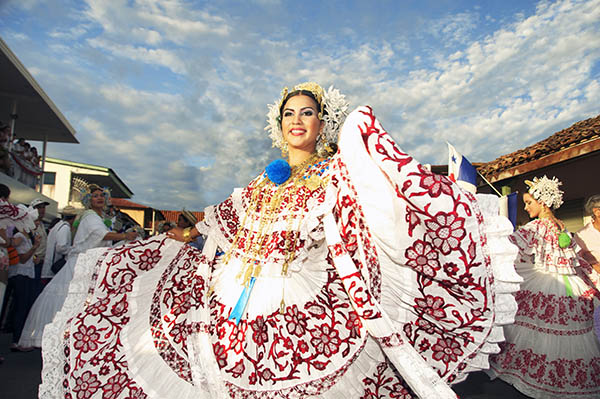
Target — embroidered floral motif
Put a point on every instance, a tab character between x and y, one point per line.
385	383
446	231
423	258
552	375
452	272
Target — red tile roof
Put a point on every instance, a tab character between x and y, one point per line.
123	203
579	133
172	216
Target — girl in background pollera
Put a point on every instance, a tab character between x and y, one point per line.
551	351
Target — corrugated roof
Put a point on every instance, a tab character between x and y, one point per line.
579	133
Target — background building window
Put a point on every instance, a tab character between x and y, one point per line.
49	178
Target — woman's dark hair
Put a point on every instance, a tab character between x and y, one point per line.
53	222
4	191
298	93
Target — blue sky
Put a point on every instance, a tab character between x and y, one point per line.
172	94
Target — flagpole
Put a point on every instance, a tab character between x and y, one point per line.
489	184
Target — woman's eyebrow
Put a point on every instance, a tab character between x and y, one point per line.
301	109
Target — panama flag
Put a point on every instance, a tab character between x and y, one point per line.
461	171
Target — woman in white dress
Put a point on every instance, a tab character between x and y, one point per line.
347	274
551	351
91	233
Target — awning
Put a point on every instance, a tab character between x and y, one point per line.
38	118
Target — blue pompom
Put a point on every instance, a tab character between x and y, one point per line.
278	171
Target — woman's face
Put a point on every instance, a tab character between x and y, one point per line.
596	213
182	222
97	201
300	123
532	207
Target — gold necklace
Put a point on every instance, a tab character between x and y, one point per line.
254	249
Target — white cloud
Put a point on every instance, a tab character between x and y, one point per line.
188	132
160	57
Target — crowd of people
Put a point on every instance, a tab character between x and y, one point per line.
19	158
38	280
347	270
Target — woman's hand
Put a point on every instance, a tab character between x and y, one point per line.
184	235
176	233
130	235
36	241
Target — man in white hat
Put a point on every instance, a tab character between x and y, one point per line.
40	231
59	242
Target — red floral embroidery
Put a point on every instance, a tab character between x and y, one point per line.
99	307
86	338
431	305
220	354
385	383
114	386
325	340
554	310
552	375
353	324
447	231
423	258
149	258
259	328
435	184
446	350
119	308
296	321
86	385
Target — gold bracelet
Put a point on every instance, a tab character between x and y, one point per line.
187	236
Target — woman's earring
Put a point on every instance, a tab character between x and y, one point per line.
284	150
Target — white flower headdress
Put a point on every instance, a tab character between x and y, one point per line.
546	191
82	192
333	111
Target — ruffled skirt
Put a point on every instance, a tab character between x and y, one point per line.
552	351
47	304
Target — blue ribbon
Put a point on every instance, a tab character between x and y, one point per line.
240	307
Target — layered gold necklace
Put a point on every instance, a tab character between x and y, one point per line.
255	248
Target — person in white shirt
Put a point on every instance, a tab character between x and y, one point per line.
91	233
21	278
59	242
588	237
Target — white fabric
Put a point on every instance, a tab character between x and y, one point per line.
52	348
19	216
58	246
144	297
89	235
551	351
22	268
588	239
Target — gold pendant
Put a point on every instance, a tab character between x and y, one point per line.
313	182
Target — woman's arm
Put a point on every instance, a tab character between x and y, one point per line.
63	240
25	256
112	236
183	235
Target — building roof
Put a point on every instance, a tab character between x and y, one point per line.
100	175
124	203
172	216
38	116
580	138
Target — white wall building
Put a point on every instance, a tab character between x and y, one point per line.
59	175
